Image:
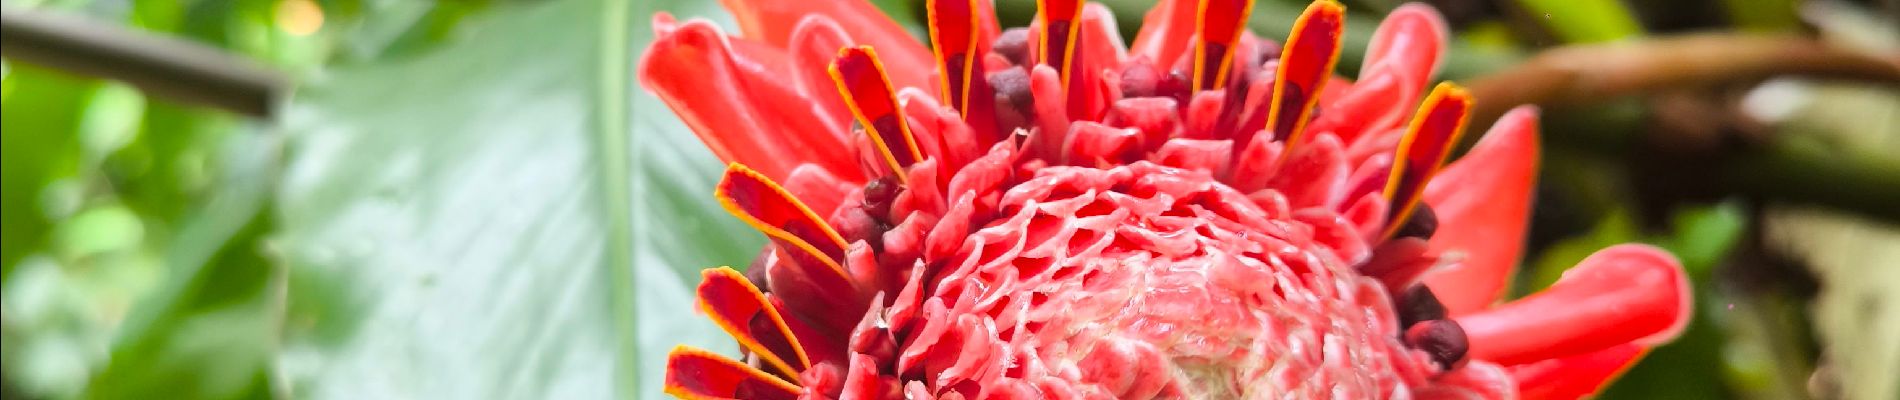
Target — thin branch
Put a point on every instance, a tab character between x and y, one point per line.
1592	74
1585	89
172	69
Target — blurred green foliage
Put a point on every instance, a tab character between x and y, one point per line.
384	246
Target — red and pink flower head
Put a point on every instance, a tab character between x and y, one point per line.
1042	212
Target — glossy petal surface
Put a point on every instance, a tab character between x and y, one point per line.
1483	202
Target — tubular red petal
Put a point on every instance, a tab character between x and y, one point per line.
773	21
1098	52
1251	119
814	292
770	209
863	382
1219	24
1374	104
1436	128
735	100
868	92
820	189
694	374
815	42
1314	175
731	302
1060	20
954	36
960	41
1409	43
940	133
1165	31
1577	376
1483	204
1622	294
1306	64
1051	111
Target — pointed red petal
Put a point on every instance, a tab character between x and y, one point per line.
693	373
772	22
1220	23
1165	31
731	302
959	37
1576	376
730	96
955	37
770	209
1483	204
1622	294
861	80
1306	63
1059	20
1438	125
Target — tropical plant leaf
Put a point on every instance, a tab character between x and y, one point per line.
485	221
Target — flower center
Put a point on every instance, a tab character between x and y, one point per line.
1144	280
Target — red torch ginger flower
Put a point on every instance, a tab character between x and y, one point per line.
1042	213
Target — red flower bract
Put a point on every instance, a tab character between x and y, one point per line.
1041	213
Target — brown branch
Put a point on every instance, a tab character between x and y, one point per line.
1592	74
162	67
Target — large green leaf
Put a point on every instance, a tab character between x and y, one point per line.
485	221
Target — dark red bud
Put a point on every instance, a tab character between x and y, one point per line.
879	195
1443	339
1013	44
1418	305
1422	224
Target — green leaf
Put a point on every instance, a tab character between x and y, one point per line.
36	123
111	119
485	221
210	331
1585	21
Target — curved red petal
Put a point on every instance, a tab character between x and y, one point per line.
1306	65
820	189
733	303
1436	128
733	96
773	21
815	42
1483	205
1409	43
1372	105
1219	23
1577	376
1623	294
867	90
767	207
1060	22
693	373
1165	31
959	40
1098	52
